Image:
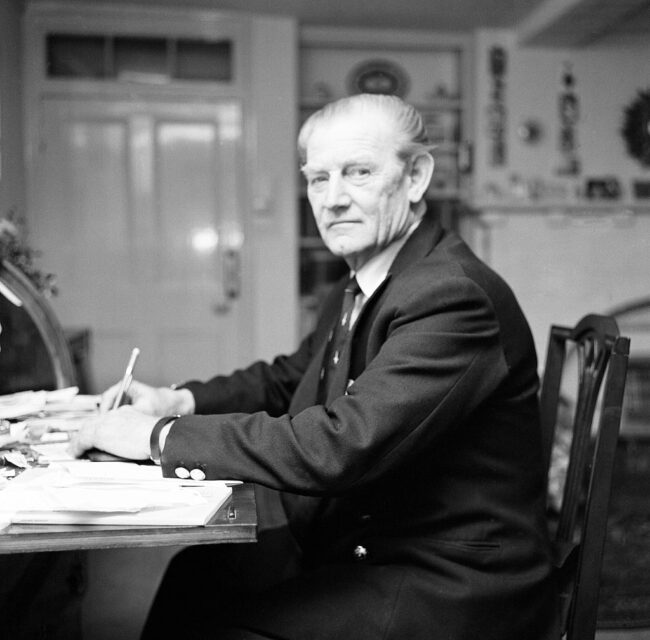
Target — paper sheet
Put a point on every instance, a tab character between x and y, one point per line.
84	492
30	403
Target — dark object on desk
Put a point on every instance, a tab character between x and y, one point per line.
579	533
35	353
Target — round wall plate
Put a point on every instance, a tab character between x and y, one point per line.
378	76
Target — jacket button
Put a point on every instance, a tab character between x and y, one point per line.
197	474
360	552
182	473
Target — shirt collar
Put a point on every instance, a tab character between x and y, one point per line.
374	272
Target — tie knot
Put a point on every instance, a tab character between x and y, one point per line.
352	287
351	290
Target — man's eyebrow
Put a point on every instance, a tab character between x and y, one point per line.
352	162
306	168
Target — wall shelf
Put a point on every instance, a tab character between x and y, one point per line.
584	207
433	69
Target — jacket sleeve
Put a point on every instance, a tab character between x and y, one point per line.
262	386
439	356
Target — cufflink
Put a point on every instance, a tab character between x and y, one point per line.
197	474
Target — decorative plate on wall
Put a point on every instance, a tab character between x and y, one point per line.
378	76
636	128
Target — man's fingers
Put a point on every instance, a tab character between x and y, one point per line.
108	398
82	440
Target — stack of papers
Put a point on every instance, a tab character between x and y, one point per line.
61	401
109	493
45	415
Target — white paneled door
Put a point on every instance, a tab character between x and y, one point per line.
138	207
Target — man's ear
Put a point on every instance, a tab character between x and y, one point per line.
421	170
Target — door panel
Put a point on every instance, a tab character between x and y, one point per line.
139	208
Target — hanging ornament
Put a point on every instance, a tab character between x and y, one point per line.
497	62
569	113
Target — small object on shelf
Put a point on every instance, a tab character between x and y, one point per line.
641	189
607	188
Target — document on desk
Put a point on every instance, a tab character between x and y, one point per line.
54	403
112	493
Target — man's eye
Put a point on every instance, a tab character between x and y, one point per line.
315	181
357	174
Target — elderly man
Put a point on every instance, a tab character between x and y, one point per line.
401	438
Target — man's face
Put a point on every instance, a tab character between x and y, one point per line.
357	187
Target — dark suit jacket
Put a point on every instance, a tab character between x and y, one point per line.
429	467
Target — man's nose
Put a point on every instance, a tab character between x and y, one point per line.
337	195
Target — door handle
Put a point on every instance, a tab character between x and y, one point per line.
229	247
231	266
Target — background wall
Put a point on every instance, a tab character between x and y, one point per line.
564	255
607	78
12	177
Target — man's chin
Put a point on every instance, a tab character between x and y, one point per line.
341	250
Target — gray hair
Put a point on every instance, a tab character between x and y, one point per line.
410	132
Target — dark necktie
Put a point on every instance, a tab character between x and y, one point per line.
337	350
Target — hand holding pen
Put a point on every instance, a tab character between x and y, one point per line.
126	379
155	401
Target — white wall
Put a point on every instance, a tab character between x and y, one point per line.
563	255
274	215
607	79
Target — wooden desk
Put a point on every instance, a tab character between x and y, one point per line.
236	521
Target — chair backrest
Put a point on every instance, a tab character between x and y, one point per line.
602	356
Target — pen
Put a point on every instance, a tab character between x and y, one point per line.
126	380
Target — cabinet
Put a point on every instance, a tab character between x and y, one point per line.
429	71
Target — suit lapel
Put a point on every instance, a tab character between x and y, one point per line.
421	242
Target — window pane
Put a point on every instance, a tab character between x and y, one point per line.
143	59
200	60
71	56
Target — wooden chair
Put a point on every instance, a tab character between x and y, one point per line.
579	535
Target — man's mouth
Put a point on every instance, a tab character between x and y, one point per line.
338	223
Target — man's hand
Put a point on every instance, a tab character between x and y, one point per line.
124	432
155	401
